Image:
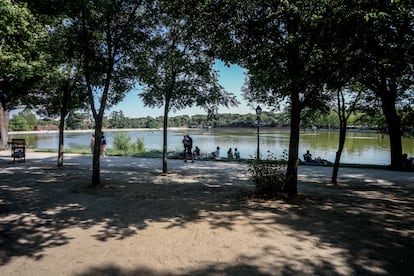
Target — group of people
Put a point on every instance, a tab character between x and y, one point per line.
231	154
189	154
307	158
102	145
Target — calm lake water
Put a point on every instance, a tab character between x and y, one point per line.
361	148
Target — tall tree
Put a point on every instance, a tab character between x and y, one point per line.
20	61
278	42
385	32
62	89
179	73
59	90
344	109
111	34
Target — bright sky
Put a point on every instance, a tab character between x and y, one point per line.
231	78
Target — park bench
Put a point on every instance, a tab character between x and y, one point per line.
18	149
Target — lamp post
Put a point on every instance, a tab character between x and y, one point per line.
258	112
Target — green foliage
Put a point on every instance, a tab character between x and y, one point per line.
24	120
117	120
21	62
18	123
407	121
79	121
268	119
269	175
122	143
177	71
139	145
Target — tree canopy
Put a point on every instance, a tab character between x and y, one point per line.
177	72
21	64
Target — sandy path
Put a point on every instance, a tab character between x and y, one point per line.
199	220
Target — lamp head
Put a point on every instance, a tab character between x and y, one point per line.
258	110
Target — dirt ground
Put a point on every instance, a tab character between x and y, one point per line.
199	220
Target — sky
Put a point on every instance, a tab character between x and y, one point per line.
231	78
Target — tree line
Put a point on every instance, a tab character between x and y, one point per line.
308	57
27	121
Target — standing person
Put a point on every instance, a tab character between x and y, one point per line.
103	145
188	145
236	153
92	144
185	144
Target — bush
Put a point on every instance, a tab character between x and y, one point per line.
122	142
139	145
269	176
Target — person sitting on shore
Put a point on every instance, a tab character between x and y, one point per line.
307	157
216	154
236	153
230	154
197	152
406	163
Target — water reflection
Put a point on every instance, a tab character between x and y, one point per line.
363	148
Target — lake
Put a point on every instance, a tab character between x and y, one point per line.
360	147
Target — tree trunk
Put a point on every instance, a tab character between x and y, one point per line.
295	68
4	126
291	186
63	113
394	131
165	137
387	91
342	136
96	178
61	140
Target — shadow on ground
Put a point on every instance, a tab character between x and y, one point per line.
369	219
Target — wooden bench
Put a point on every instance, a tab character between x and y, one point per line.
18	149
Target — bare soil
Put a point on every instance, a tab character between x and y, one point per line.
199	220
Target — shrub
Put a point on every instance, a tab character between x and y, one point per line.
269	176
139	145
122	142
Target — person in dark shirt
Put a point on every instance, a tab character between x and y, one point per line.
188	145
307	156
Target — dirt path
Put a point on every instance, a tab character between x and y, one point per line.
199	220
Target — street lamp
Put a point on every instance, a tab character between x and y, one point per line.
258	112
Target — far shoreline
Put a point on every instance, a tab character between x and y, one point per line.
92	131
187	129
